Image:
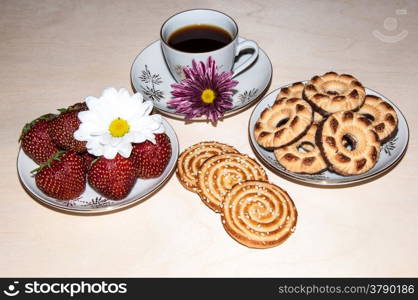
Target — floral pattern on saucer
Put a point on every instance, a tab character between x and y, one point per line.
151	77
150	83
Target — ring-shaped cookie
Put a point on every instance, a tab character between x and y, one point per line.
292	91
332	92
303	156
296	91
382	115
283	123
348	143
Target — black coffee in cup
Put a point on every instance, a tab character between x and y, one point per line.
199	38
200	34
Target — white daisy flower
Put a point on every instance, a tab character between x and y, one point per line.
116	120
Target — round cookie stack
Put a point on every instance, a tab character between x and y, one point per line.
254	212
329	123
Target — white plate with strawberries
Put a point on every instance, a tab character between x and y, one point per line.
90	201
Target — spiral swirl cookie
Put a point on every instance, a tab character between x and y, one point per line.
382	115
191	159
349	143
332	92
258	214
303	156
220	173
283	123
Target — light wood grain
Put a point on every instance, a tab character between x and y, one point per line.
55	53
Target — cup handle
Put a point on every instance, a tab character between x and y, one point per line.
244	46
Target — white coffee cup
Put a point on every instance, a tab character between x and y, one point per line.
224	56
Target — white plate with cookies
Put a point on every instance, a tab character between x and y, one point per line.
294	131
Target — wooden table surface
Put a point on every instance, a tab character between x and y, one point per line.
55	53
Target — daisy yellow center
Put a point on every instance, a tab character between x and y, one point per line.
118	127
208	96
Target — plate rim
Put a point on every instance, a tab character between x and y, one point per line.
325	183
104	209
228	113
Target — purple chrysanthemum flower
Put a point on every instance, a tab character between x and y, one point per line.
203	91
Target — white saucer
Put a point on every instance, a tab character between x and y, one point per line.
390	154
90	201
151	77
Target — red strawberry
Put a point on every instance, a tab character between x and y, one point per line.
151	159
88	159
35	140
63	177
79	106
63	127
112	178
